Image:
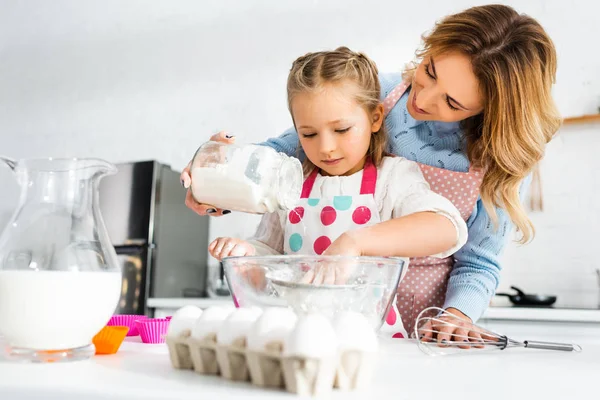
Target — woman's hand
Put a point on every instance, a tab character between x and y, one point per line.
186	181
230	247
457	328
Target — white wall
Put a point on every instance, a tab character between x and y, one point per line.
149	79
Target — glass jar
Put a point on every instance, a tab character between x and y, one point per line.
60	280
248	178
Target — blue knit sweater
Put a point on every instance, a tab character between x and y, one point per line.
476	271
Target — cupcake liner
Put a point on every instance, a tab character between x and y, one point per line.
126	320
153	330
109	339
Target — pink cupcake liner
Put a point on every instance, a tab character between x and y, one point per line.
126	320
153	330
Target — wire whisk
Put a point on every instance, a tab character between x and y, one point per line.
439	332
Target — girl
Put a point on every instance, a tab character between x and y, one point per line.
354	196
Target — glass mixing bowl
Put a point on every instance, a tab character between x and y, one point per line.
365	284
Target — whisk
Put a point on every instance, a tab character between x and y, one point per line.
432	337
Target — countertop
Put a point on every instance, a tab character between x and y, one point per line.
492	313
141	371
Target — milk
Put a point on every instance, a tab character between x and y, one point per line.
51	310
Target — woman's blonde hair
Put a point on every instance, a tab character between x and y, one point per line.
514	61
314	70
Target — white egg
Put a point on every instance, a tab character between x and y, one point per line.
210	321
354	332
312	337
237	325
183	320
275	324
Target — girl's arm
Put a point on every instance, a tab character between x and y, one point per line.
422	223
268	239
416	235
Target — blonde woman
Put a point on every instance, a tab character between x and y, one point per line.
476	112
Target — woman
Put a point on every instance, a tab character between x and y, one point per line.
475	112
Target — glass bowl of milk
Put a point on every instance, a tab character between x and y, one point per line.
248	178
60	280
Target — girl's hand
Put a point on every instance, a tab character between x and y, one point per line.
230	247
452	329
345	245
186	181
335	273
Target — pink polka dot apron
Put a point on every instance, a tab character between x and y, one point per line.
426	280
316	222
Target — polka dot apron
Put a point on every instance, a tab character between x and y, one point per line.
426	280
316	222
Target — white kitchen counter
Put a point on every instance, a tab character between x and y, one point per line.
140	371
492	313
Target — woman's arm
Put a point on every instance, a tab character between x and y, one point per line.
287	143
476	273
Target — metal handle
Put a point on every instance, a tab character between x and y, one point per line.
552	346
12	164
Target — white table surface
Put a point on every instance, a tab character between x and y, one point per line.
140	371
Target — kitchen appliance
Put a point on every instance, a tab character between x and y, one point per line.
433	324
59	276
523	299
161	245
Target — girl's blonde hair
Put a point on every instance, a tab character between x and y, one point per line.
314	70
514	61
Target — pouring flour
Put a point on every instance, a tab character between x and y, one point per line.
249	178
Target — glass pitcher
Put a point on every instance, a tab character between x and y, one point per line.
60	280
249	178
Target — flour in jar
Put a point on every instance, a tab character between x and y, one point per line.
253	179
225	188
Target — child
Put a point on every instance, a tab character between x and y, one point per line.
356	200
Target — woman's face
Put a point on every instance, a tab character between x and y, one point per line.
444	88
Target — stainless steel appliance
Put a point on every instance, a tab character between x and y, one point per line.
161	244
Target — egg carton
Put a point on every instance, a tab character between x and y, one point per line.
270	367
350	370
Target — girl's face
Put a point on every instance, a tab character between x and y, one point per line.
333	128
445	89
